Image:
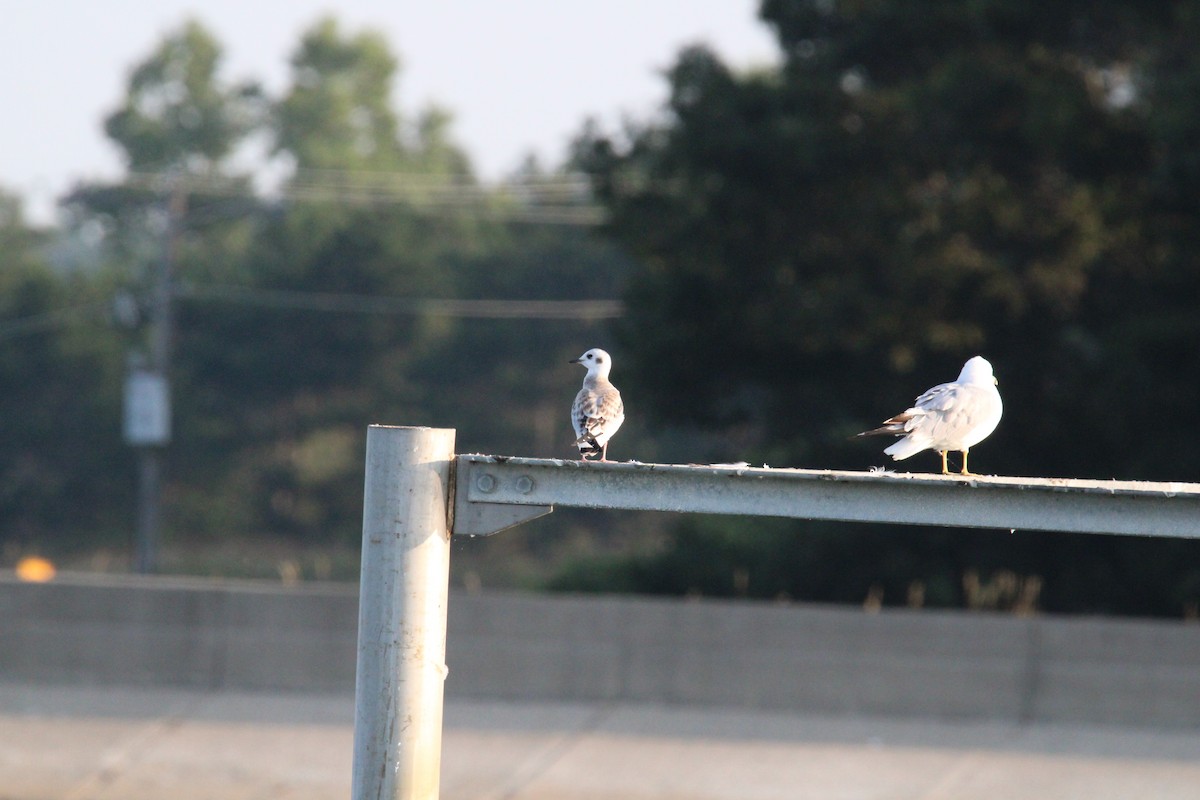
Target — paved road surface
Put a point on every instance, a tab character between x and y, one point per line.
149	744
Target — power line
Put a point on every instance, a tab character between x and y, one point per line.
560	200
407	306
328	302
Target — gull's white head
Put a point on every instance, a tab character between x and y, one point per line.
977	370
597	361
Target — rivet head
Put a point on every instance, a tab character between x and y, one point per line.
485	483
524	484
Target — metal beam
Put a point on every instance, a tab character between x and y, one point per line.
1048	504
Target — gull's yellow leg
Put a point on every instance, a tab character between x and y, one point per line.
964	469
945	467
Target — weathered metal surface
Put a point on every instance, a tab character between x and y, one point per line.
1051	504
402	614
482	518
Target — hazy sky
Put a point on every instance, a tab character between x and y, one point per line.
519	76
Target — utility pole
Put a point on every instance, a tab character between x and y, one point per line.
148	395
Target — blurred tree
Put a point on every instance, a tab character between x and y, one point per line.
282	353
281	392
913	185
379	208
176	114
906	190
177	127
61	462
338	111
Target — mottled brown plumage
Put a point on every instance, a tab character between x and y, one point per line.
597	412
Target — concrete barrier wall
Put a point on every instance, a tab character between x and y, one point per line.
515	646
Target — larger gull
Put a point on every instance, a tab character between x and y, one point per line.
950	416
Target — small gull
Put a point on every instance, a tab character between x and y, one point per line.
597	412
950	416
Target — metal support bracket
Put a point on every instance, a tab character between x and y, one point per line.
475	484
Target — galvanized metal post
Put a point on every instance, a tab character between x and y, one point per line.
402	614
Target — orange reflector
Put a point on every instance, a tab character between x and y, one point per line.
35	569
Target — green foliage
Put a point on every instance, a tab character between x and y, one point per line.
935	568
271	395
273	398
907	190
915	185
175	113
61	463
338	111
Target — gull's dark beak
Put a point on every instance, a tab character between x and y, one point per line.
575	360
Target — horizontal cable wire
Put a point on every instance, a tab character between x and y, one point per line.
413	306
